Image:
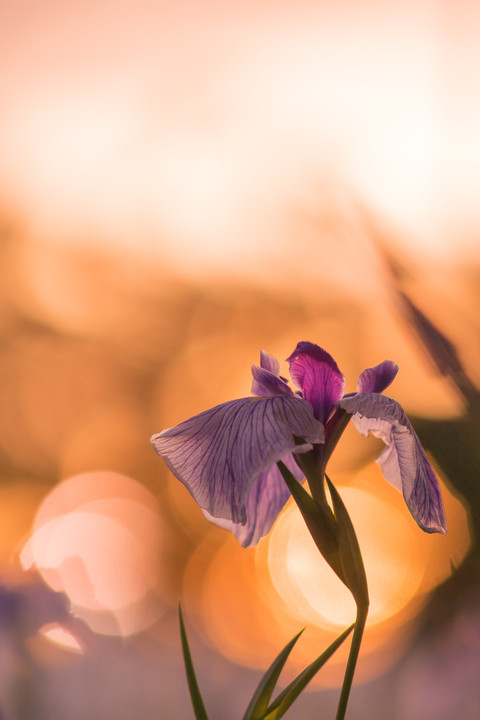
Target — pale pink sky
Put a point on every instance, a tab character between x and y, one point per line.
192	131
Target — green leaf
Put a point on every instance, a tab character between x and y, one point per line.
356	580
197	702
319	520
354	569
288	696
259	703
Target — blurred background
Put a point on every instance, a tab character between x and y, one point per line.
181	185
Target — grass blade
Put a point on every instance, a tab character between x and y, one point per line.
288	696
197	702
259	703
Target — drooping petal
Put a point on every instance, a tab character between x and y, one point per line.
316	373
265	501
377	379
403	462
219	453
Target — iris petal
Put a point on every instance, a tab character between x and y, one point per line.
377	379
403	462
219	454
266	378
266	384
265	500
316	373
270	363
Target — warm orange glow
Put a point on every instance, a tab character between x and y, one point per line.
237	609
393	569
253	600
18	504
399	561
102	551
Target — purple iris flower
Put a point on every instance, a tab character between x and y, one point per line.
227	456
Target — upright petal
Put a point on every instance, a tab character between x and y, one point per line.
265	501
220	453
377	379
316	373
266	378
270	363
266	384
403	462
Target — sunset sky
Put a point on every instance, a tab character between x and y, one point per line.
181	185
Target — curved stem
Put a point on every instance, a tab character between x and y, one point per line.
352	662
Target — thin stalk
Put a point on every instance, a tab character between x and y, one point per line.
352	662
312	465
333	432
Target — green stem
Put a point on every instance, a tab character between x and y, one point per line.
312	465
352	662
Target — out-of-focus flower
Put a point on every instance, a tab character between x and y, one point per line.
227	456
25	608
